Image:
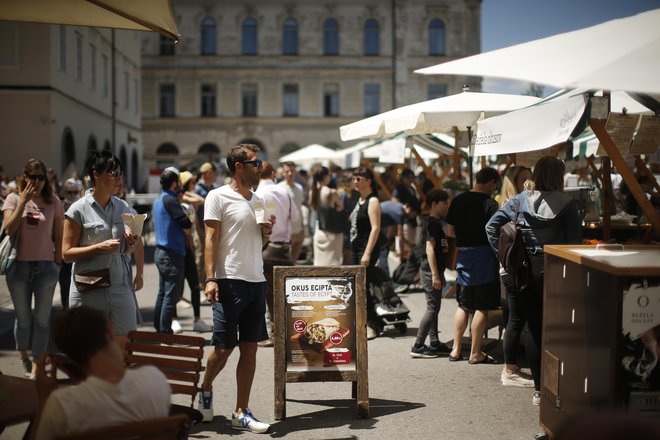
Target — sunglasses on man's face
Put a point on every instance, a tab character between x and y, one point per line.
257	163
41	177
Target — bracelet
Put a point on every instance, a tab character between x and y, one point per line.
211	280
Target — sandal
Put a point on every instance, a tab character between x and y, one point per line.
455	358
487	359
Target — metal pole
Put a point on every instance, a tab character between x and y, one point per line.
393	5
114	93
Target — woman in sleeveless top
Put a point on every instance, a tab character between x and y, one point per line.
365	234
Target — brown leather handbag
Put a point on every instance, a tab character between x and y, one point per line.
92	279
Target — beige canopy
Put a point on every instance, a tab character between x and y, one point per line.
143	15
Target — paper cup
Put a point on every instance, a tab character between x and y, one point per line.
134	223
260	213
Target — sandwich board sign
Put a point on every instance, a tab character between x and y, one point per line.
320	317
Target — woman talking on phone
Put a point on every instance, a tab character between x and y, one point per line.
36	215
95	240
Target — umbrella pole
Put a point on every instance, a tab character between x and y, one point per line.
627	174
456	158
470	170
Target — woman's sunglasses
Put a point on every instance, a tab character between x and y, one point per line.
41	177
358	178
116	173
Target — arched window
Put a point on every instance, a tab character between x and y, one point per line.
290	37
68	149
123	158
250	41
289	148
208	36
135	162
331	37
371	37
209	149
167	148
91	144
436	37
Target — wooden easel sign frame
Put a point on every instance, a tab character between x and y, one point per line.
321	334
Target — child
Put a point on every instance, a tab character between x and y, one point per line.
432	276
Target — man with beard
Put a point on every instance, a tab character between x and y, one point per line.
235	282
173	229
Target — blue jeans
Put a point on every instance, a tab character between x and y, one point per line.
170	286
24	279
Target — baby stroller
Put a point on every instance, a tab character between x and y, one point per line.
390	309
407	273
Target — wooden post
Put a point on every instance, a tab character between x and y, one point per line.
429	172
643	169
456	155
628	176
608	196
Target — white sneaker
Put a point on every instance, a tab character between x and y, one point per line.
245	421
205	405
536	398
176	326
201	326
517	379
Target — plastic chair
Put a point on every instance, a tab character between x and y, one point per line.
179	357
169	428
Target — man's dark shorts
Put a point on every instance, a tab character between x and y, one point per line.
480	297
242	307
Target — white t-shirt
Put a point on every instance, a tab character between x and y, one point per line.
142	394
285	213
296	194
239	247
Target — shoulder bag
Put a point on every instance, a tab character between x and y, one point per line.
8	249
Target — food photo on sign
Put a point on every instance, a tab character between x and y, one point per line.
320	323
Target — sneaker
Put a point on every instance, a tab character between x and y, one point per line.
371	333
517	379
176	326
183	304
439	348
200	326
205	405
536	398
247	422
27	367
422	352
266	343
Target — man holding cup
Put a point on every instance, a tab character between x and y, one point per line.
235	282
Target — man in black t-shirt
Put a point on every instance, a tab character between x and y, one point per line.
476	263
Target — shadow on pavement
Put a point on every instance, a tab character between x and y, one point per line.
341	412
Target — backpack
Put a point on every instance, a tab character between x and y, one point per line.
512	253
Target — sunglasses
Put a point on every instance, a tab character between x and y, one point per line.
115	173
70	193
257	163
41	177
358	179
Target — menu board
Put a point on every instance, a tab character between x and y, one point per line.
647	138
620	127
320	323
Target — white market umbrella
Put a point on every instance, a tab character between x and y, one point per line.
143	15
461	110
311	155
547	123
621	54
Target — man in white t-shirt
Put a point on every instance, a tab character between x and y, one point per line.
278	250
297	195
235	282
111	395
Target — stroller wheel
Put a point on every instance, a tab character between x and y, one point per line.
403	328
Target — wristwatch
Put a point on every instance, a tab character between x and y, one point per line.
211	280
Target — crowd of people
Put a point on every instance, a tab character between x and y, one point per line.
225	239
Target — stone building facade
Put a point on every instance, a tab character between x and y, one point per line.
285	74
56	93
